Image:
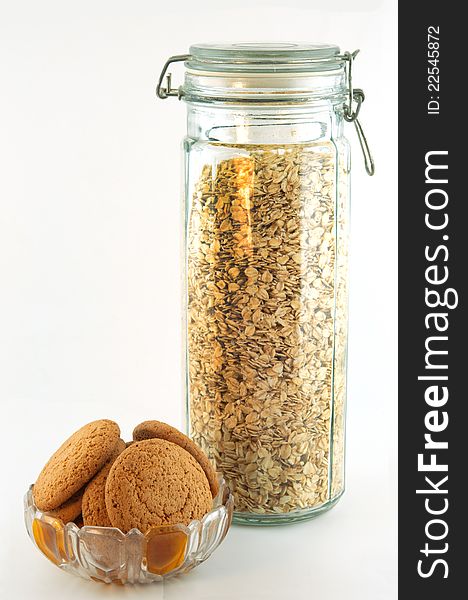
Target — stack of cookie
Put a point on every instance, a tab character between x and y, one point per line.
95	478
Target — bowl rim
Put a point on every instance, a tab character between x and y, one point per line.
223	499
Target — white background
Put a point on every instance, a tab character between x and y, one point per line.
90	285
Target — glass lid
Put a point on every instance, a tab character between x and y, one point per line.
262	73
258	57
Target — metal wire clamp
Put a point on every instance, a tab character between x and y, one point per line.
168	90
351	113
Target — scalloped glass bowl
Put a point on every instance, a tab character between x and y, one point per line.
108	555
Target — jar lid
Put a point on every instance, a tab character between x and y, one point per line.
262	73
258	57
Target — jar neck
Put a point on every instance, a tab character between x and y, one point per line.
266	87
263	124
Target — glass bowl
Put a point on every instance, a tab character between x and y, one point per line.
108	555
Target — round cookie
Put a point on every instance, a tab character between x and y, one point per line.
156	429
94	497
76	461
155	482
70	509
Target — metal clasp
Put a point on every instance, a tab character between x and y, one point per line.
351	114
165	92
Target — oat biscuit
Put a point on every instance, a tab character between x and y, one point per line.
76	461
69	510
94	499
155	482
157	429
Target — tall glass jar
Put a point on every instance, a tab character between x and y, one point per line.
266	269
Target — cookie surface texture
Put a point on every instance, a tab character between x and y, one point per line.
77	460
94	497
155	482
69	510
157	429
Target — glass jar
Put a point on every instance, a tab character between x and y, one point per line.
266	269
